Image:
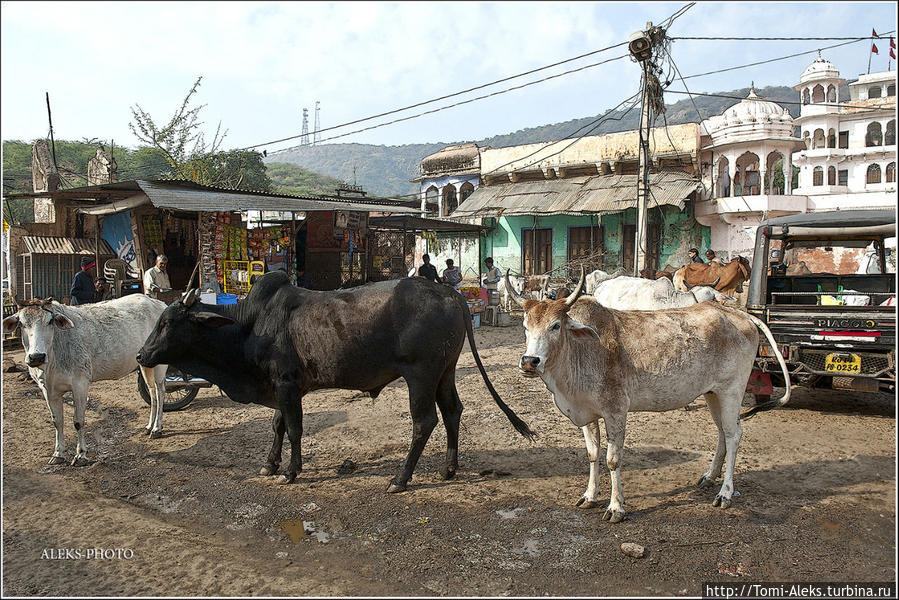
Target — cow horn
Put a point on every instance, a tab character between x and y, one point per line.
716	282
190	297
573	296
511	291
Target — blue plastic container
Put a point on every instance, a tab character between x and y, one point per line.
225	299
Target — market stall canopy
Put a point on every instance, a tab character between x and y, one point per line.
187	196
410	223
596	194
35	244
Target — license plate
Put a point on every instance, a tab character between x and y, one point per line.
843	363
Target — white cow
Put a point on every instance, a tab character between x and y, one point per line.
595	278
637	293
68	347
601	363
505	298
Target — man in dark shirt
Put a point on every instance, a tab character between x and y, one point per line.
693	255
83	290
427	270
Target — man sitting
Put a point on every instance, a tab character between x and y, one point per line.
452	275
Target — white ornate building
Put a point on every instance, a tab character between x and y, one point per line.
845	153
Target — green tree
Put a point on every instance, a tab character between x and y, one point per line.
182	144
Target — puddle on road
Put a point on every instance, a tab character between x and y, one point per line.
297	529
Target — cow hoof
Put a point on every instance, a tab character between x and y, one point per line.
447	473
268	470
287	478
56	460
395	488
613	516
721	501
584	504
704	481
155	435
80	461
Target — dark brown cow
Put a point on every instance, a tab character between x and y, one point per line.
728	278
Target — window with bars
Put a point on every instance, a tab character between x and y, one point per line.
536	251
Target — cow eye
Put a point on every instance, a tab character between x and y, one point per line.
556	326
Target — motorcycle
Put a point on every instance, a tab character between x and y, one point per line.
180	389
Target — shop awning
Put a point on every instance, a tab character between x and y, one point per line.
413	224
36	244
594	194
188	196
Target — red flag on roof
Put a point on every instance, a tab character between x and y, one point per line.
874	33
874	48
892	54
892	43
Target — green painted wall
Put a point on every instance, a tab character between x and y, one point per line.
680	232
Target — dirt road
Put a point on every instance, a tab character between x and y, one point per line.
187	514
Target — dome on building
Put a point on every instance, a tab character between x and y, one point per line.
754	109
452	159
820	69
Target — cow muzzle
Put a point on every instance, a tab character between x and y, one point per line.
35	360
530	366
142	359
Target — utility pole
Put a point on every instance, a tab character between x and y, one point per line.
304	135
641	46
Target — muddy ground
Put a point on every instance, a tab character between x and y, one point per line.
816	481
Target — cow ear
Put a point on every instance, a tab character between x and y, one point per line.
580	330
210	319
62	321
10	323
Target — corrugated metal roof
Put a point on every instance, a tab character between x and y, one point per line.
190	196
60	245
595	194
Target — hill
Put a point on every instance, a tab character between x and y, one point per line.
386	170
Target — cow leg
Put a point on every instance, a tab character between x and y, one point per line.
291	403
54	403
451	409
146	374
424	419
274	456
159	381
615	433
79	397
591	437
714	471
733	431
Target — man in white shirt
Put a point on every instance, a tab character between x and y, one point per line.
493	275
156	279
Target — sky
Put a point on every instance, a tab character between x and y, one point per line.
263	62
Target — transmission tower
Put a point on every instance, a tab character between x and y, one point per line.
304	135
315	135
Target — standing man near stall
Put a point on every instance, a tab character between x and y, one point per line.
83	290
493	275
156	279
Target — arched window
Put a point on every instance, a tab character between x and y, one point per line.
873	92
831	175
891	172
432	198
807	140
873	175
818	141
450	200
831	93
818	176
465	191
831	139
891	89
818	94
874	137
805	96
890	138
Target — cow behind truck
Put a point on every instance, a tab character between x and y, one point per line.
834	325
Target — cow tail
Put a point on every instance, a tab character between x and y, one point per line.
771	404
519	425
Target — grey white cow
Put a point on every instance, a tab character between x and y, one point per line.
68	347
601	363
637	293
